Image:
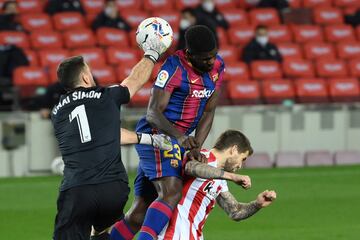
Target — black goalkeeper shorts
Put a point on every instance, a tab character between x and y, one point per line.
79	208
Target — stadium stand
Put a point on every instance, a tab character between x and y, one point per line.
289	159
321	58
347	157
259	160
319	158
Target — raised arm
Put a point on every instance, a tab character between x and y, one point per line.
203	170
239	211
140	74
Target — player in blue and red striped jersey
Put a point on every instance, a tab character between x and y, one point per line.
184	99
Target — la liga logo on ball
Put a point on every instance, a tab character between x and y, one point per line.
152	27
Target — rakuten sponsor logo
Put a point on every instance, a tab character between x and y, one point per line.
205	93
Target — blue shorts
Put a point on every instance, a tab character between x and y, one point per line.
155	163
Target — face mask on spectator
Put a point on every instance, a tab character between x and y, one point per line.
262	40
109	11
208	6
184	23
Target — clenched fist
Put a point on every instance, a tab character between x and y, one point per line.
265	198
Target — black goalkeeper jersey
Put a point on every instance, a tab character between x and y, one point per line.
87	127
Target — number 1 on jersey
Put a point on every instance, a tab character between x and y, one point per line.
83	124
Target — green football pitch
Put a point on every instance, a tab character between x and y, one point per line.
313	203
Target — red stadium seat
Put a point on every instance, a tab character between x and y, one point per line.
142	97
265	69
52	72
328	15
112	37
331	68
241	35
311	90
172	17
317	3
347	50
264	16
298	68
123	70
93	6
32	58
126	5
30	6
229	53
37	21
93	56
244	92
347	3
19	39
319	50
354	66
225	4
134	17
289	51
52	57
68	21
276	91
294	3
319	158
358	32
279	33
105	75
155	5
236	71
117	56
181	4
236	17
344	89
30	76
222	36
79	38
337	33
46	40
307	33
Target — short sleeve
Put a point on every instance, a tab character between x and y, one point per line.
221	73
224	186
120	94
169	76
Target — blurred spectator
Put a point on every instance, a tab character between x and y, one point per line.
8	19
187	20
11	57
260	48
110	17
353	19
210	16
277	4
47	101
56	6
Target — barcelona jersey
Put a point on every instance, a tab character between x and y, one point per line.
190	92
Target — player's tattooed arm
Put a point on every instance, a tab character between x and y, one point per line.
237	211
203	170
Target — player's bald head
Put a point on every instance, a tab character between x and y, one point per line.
200	39
69	71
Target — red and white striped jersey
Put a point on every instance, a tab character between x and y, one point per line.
198	199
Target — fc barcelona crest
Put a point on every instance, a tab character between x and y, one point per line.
174	163
215	77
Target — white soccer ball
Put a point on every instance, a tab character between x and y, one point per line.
154	26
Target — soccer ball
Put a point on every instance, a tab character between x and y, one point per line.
155	26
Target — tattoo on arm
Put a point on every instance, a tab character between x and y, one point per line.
202	170
235	210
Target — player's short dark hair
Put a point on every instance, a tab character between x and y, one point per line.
69	70
5	5
200	39
259	27
230	138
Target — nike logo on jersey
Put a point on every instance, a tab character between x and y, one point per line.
194	80
202	93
